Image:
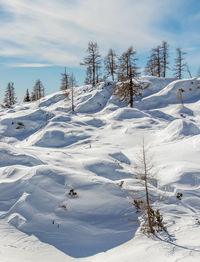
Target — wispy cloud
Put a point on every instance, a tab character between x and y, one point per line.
28	65
57	32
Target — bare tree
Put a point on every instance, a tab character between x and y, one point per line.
72	84
154	63
38	91
92	62
27	96
180	96
157	64
88	79
145	173
127	88
9	98
157	59
188	70
64	83
164	57
110	63
180	65
150	66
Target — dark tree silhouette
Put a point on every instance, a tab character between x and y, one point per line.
93	63
9	98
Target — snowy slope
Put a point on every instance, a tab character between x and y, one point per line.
47	151
169	94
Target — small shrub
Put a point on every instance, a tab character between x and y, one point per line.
182	115
20	125
179	196
156	221
138	205
63	206
72	193
121	183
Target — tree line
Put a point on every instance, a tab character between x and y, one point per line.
111	66
121	69
10	98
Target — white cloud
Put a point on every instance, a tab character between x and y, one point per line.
57	32
28	65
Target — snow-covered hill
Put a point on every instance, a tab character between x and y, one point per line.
46	152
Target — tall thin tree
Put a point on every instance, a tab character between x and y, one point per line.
64	81
127	89
10	98
110	63
180	65
72	84
144	170
27	96
92	61
38	91
164	57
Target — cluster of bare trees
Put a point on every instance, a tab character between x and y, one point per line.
9	98
129	86
124	68
121	68
68	82
93	63
157	64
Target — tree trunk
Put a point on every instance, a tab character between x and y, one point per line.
72	99
131	89
147	192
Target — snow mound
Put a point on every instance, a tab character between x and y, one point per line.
23	126
16	220
184	111
178	129
127	113
51	99
14	156
56	137
160	115
96	101
156	84
189	89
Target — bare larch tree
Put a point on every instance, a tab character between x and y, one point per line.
27	96
110	63
164	57
127	88
157	64
72	84
180	65
9	98
38	91
93	63
145	173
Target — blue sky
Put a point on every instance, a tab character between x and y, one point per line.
39	38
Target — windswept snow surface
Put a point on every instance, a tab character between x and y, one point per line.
46	152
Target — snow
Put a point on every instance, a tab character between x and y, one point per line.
46	150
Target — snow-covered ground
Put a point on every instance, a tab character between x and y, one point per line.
46	151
